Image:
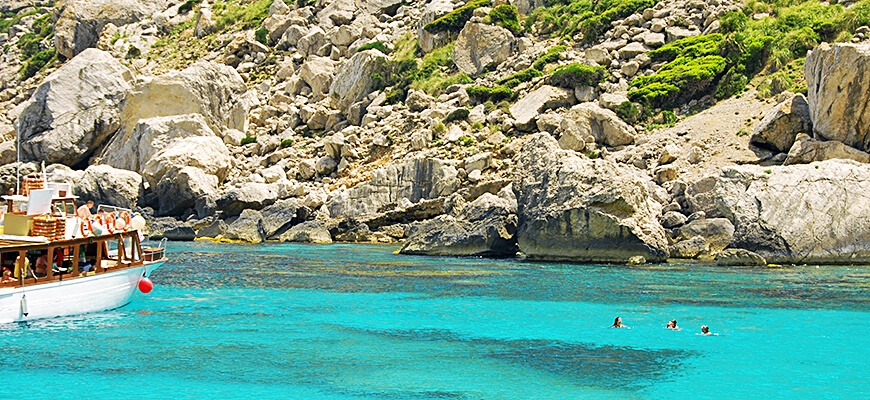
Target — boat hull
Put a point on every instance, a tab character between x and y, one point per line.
81	295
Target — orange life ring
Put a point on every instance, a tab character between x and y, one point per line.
110	222
90	228
126	217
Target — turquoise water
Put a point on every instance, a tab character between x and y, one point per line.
287	321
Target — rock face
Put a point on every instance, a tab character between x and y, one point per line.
207	153
185	188
481	46
248	227
430	41
215	91
572	208
307	232
81	21
838	78
779	127
249	196
797	214
415	180
590	119
106	185
74	110
354	78
171	229
526	110
484	227
806	150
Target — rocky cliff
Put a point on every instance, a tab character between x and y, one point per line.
568	130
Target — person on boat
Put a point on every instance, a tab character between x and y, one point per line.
672	325
705	330
41	269
7	276
617	323
84	211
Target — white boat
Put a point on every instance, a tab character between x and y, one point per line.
91	268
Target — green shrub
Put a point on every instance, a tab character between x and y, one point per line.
628	111
262	35
133	52
248	140
374	45
690	76
562	18
576	74
481	94
286	143
456	19
187	6
466	140
35	63
439	128
437	72
459	114
519	77
44	25
244	15
552	55
30	43
505	16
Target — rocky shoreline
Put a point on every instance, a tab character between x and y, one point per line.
300	128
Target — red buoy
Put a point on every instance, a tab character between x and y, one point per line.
145	285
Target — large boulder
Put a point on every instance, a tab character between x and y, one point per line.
589	118
429	41
278	217
779	127
170	228
318	73
208	153
806	150
484	227
251	195
838	77
215	91
355	78
418	179
810	213
307	232
579	209
152	135
716	232
481	46
74	110
111	186
185	188
248	227
526	110
80	22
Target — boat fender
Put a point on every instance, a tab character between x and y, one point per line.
145	285
24	305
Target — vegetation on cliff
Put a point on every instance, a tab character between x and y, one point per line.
588	17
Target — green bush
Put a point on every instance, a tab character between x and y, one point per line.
552	55
576	74
133	52
628	111
286	143
456	19
562	18
459	114
506	16
374	45
519	77
245	15
35	63
466	140
187	6
262	35
482	94
690	76
248	140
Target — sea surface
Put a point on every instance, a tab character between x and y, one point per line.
291	321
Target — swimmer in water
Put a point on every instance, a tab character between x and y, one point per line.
705	330
617	323
672	325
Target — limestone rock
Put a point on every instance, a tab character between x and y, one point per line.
152	135
429	41
740	258
838	76
208	153
215	91
170	228
717	232
485	227
278	217
526	110
74	110
251	195
80	22
780	126
689	248
579	209
318	73
106	185
307	232
673	219
806	150
181	188
417	179
812	213
590	119
214	230
248	227
481	46
354	78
